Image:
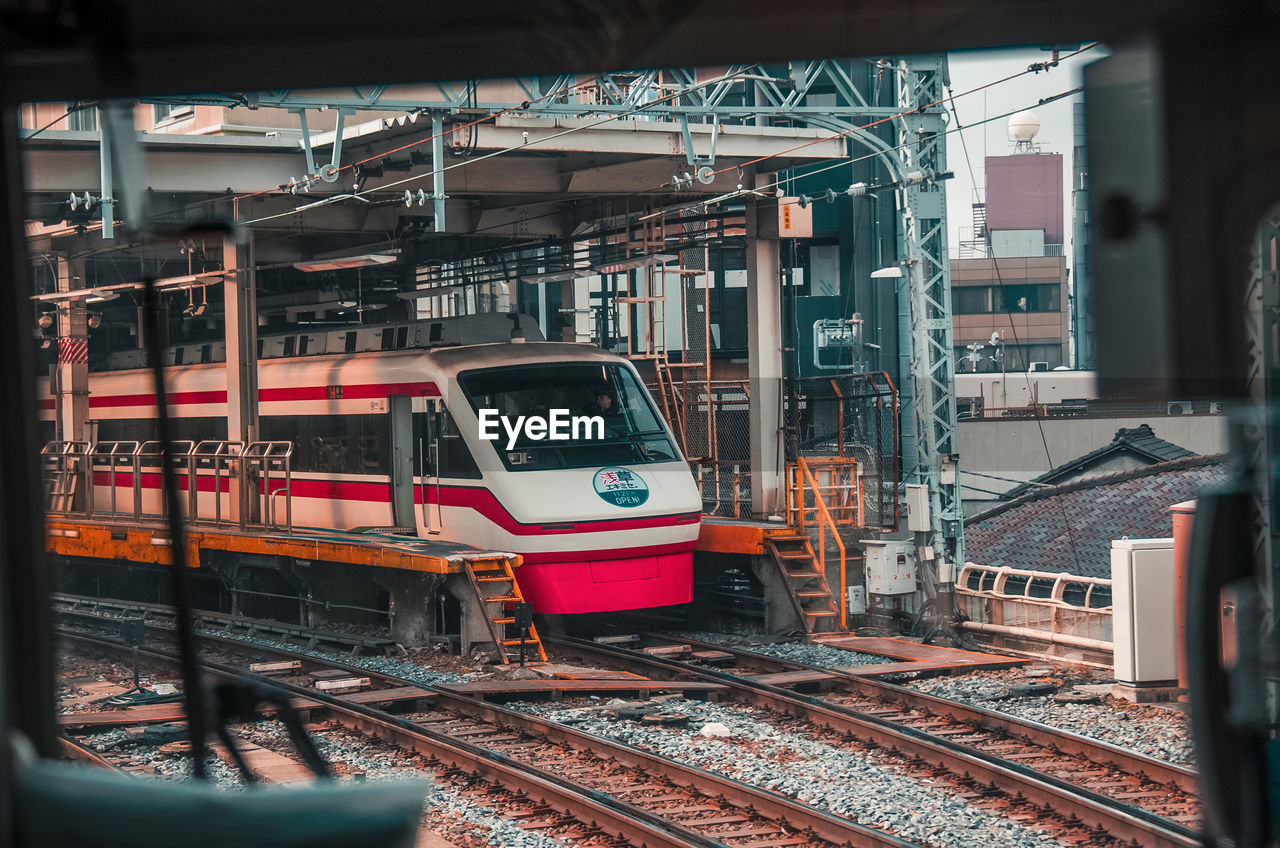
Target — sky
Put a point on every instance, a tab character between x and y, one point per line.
973	69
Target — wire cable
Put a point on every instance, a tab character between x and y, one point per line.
1013	329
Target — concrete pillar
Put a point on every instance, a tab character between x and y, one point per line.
240	310
73	355
780	616
412	602
475	630
764	363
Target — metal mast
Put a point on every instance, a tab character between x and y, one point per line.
929	445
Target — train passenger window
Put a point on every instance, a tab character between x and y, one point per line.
351	342
289	343
402	336
302	344
333	444
388	338
206	353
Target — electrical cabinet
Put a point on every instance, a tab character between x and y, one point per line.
1144	612
891	567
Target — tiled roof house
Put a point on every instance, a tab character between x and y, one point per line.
1069	527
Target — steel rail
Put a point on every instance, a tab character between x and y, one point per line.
77	751
1121	821
1066	741
585	805
798	815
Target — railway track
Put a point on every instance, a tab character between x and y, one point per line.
963	745
1118	792
588	777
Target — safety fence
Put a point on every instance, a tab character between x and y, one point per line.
219	482
1042	613
852	416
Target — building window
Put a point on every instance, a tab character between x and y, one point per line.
82	120
1042	298
162	112
971	300
984	300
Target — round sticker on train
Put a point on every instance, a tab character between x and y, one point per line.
621	487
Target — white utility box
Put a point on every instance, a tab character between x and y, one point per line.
1144	612
918	520
891	567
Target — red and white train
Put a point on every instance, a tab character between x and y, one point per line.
392	438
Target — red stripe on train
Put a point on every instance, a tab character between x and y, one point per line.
480	500
291	393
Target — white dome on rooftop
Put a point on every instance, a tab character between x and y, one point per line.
1024	125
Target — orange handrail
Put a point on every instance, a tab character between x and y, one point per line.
821	512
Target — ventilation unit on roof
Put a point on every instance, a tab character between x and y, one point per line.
1039	366
1179	407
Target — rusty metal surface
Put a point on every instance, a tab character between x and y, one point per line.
75	751
527	777
1120	821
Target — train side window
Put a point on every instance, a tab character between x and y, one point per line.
333	444
388	338
302	344
289	343
351	342
402	337
260	348
206	353
437	333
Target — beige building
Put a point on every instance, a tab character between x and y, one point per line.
1020	299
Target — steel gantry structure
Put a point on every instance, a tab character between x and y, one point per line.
929	448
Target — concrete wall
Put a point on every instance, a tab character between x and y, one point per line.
1015	449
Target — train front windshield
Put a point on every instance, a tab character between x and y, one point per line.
617	424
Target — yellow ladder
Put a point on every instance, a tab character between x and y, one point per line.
494	582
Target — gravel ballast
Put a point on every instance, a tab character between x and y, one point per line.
845	783
1160	732
809	653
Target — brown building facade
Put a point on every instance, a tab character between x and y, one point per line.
1022	300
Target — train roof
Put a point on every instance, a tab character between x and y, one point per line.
454	360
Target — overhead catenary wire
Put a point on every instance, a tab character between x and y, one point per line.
496	153
615	117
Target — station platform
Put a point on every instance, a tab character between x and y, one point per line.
148	542
737	536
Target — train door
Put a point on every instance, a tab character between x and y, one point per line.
400	410
427	456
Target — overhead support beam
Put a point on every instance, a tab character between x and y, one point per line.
196	169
